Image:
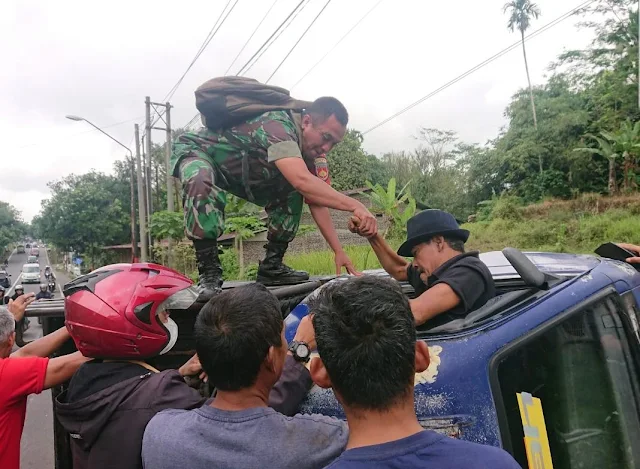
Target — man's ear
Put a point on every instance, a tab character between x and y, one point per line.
422	356
12	340
306	121
271	359
319	373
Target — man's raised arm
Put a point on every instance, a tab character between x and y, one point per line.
298	175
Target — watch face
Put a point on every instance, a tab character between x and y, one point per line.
302	350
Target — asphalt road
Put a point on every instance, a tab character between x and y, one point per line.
37	437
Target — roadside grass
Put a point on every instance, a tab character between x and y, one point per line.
559	231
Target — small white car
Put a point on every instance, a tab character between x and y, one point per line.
30	273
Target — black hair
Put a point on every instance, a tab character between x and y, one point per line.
455	244
366	338
323	108
233	333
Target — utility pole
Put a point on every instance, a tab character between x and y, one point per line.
147	103
167	158
170	206
144	254
166	118
132	177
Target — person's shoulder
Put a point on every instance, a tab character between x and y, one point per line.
281	116
471	260
167	418
316	423
482	456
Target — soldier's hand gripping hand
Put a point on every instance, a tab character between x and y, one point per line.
368	225
355	226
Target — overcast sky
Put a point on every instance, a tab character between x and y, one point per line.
100	59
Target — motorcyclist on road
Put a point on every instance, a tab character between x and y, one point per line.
47	272
44	293
120	315
3	299
23	324
17	291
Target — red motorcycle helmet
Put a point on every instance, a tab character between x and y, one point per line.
112	312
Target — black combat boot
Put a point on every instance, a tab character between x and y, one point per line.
209	270
272	270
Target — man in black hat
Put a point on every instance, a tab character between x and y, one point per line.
448	281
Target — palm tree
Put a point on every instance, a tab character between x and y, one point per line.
521	12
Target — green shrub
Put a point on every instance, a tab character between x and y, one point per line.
507	208
230	264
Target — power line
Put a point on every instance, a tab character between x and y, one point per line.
277	37
336	44
481	65
298	41
207	41
212	33
252	34
265	46
242	69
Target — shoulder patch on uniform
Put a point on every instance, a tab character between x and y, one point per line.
322	168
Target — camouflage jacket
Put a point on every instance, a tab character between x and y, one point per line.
255	144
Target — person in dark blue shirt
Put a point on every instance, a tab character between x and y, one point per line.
366	339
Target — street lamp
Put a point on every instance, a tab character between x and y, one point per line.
131	183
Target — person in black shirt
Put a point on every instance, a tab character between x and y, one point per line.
448	281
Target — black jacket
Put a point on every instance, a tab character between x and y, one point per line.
108	405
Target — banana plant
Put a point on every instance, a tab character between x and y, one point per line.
608	151
392	205
622	144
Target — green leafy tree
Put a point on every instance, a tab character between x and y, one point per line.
520	14
85	213
348	163
167	225
12	228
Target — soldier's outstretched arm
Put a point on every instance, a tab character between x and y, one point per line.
296	172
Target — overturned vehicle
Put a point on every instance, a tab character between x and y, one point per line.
549	369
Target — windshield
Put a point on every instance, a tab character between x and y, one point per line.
30	269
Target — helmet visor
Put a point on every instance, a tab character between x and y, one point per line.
183	299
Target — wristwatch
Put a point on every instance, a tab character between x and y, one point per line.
300	350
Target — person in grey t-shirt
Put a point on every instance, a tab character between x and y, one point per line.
241	344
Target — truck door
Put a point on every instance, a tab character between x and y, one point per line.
584	368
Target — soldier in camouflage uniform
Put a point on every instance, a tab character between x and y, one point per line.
274	160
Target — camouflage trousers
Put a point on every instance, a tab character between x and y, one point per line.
204	197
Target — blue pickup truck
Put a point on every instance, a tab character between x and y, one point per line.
553	361
563	329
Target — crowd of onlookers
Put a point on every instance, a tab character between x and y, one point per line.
125	414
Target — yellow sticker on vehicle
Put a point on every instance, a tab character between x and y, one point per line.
536	441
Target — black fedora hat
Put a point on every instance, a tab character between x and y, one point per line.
427	224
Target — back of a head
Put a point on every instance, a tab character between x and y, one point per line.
7	326
366	337
233	333
323	108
